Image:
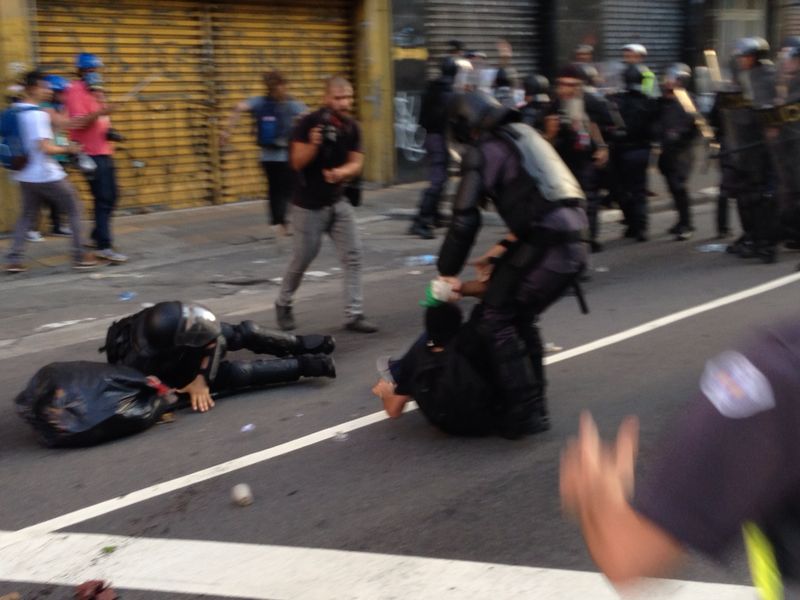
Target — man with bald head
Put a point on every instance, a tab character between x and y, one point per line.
326	153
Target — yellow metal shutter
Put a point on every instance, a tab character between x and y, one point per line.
166	160
307	40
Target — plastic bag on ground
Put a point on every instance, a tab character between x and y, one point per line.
84	403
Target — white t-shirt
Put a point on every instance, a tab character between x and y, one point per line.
34	126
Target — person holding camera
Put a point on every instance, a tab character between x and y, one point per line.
42	179
326	153
91	127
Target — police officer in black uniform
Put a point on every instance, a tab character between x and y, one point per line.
433	118
754	90
540	202
786	144
676	133
630	151
183	344
728	467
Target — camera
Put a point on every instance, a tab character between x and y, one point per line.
112	135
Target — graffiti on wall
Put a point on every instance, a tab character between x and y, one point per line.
409	135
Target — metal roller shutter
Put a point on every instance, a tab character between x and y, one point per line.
166	159
658	24
210	56
791	19
480	23
305	39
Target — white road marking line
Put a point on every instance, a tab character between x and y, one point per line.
158	489
673	318
234	570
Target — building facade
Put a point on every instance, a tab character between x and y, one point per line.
198	58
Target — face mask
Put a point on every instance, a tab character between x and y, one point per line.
93	79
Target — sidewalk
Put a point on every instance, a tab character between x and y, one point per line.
170	237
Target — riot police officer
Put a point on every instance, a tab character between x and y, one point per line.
787	145
630	151
541	203
754	88
537	99
184	344
676	132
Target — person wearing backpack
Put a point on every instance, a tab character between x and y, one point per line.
28	134
274	115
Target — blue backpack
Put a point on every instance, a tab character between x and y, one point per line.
13	155
272	130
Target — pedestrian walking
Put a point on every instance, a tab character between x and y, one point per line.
42	179
274	113
91	127
326	153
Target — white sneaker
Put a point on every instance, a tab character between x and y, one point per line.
34	236
111	256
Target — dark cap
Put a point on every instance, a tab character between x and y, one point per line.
570	71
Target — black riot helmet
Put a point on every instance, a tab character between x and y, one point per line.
679	75
477	111
752	46
448	68
538	87
633	76
175	324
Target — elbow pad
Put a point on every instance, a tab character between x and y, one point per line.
466	216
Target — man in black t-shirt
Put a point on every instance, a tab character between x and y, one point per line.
730	463
326	152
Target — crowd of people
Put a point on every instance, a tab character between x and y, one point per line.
607	127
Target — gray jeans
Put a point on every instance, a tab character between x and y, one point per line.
339	222
58	194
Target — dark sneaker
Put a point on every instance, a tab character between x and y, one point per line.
284	317
63	232
641	236
683	233
16	268
317	365
595	246
111	255
675	229
423	231
360	325
85	263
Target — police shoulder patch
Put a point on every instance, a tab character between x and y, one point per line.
736	387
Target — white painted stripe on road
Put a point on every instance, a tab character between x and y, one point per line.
158	489
233	570
673	318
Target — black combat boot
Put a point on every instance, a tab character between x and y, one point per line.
261	340
317	365
523	409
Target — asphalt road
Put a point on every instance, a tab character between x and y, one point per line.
388	488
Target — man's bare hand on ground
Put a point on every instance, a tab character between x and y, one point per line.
199	394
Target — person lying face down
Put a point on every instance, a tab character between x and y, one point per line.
184	345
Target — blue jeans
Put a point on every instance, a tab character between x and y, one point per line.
103	184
